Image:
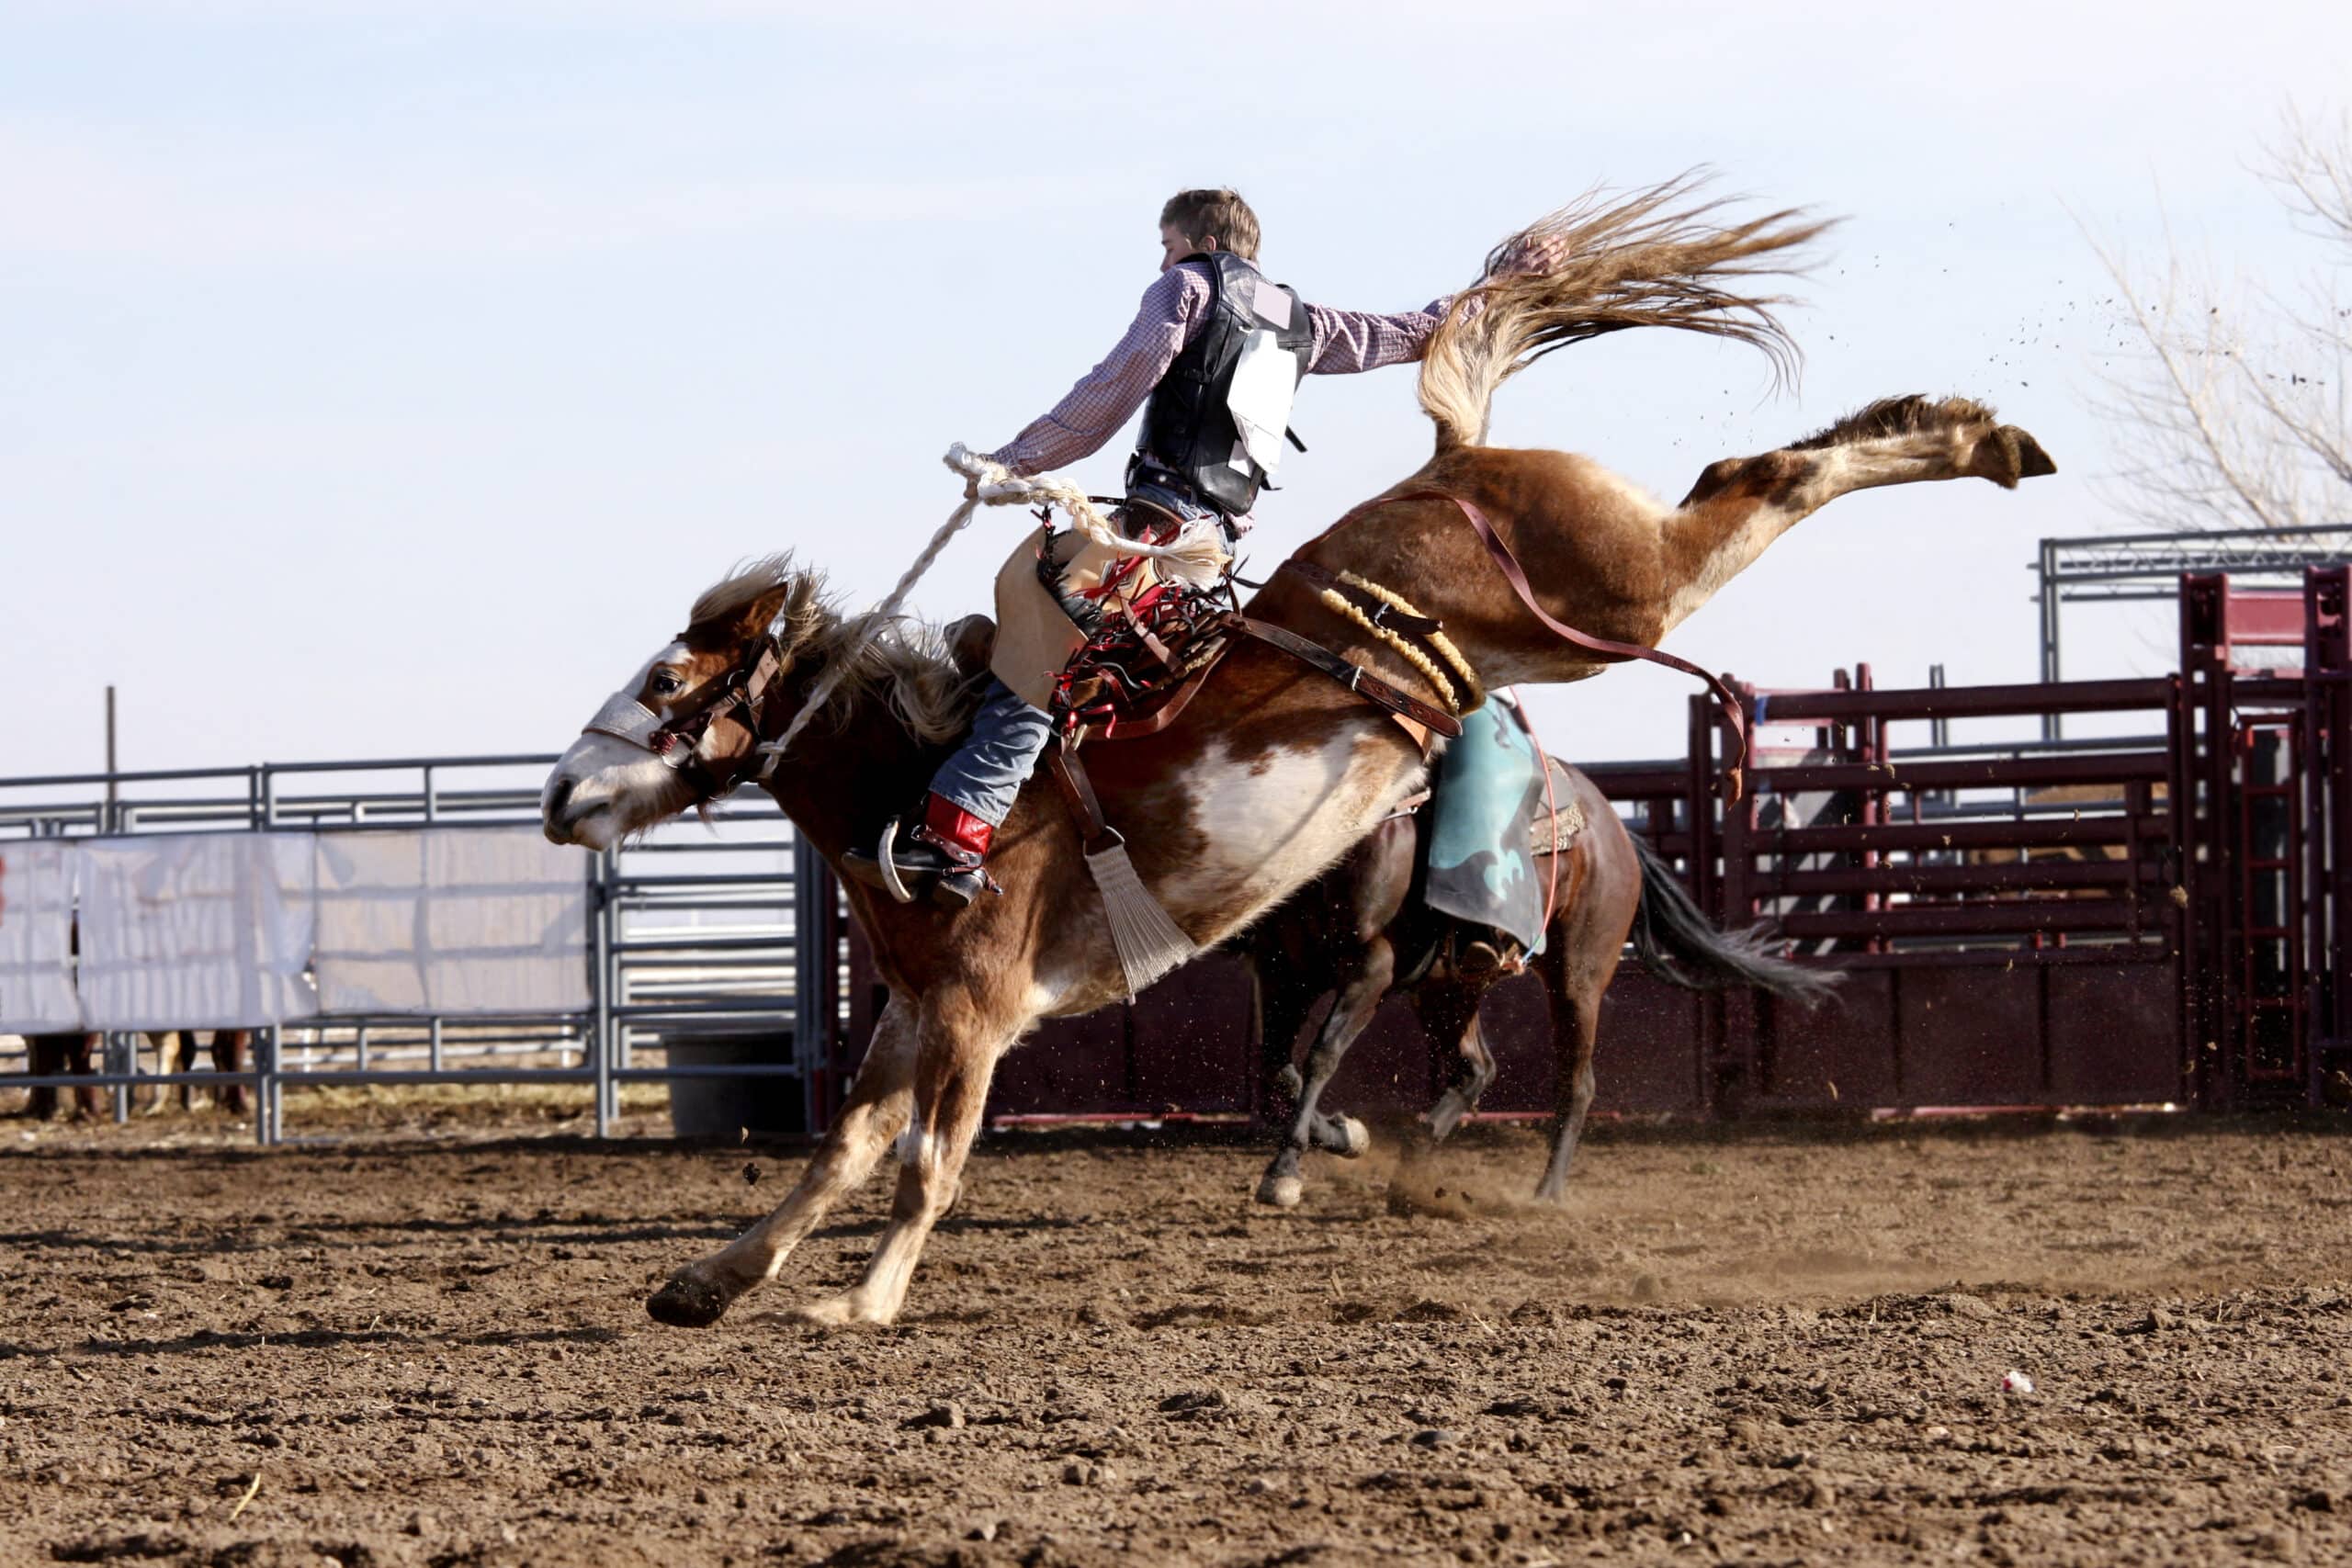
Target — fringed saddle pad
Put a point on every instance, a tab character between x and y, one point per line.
1102	641
1148	633
1560	831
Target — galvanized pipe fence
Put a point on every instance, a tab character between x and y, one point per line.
695	934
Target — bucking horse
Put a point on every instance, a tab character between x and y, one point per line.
1540	566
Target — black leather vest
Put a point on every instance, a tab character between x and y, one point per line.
1188	430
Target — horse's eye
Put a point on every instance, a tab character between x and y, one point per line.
665	684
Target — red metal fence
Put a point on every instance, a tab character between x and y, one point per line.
2151	918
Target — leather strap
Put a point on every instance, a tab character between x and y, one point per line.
1165	714
1379	611
1354	677
1734	713
1077	790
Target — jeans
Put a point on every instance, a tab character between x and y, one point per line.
986	774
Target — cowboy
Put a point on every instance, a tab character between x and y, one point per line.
1212	358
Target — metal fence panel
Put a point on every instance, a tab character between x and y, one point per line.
451	921
199	929
35	938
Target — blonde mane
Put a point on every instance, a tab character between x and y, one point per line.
904	662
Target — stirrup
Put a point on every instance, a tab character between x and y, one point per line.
1482	959
953	884
888	863
961	890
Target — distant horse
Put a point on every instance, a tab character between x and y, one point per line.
59	1055
175	1053
1271	773
1359	932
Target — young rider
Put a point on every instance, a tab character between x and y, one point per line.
1210	323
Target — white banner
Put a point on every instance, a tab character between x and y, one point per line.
195	930
451	920
35	938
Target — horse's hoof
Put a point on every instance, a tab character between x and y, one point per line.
2033	461
1281	1191
833	1311
1357	1137
686	1302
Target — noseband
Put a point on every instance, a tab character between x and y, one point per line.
678	741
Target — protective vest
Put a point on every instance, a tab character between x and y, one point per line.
1218	419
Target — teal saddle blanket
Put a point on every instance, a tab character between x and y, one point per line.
1475	830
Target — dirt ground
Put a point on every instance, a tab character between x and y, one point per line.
1773	1347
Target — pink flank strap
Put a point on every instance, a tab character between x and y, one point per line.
1733	714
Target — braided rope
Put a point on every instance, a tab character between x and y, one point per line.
1333	599
1404	647
1194	555
1435	636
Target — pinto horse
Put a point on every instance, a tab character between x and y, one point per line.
1358	933
1271	773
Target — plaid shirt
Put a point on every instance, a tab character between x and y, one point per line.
1174	309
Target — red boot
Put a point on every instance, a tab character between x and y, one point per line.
949	845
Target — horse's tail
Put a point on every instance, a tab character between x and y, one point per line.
1676	942
1653	259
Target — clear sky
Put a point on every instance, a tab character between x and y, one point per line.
383	378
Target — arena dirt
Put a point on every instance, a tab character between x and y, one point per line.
1772	1347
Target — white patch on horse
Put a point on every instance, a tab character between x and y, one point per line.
1273	822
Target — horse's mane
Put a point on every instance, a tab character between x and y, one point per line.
904	660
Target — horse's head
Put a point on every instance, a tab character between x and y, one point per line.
686	728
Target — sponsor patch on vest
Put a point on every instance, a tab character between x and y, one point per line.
1271	304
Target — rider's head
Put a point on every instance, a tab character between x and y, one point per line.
1197	220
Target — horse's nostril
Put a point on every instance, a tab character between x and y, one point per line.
558	797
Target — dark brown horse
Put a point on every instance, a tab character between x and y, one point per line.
60	1054
1272	774
1362	930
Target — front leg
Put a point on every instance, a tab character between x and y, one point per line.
698	1294
1284	1183
1449	1008
960	1044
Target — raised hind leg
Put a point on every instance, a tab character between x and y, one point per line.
960	1040
1741	505
876	1108
1284	1184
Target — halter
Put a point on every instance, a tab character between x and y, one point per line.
678	742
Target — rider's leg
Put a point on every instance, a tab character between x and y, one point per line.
970	797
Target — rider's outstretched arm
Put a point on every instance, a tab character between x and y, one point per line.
1108	396
1349	340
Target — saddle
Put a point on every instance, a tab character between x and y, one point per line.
1116	651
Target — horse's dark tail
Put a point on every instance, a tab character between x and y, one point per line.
1676	942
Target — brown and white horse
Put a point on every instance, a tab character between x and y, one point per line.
1271	773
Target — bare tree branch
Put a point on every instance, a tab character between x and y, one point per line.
2236	412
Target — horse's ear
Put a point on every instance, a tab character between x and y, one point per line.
790	602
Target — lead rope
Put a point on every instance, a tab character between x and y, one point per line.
989	483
